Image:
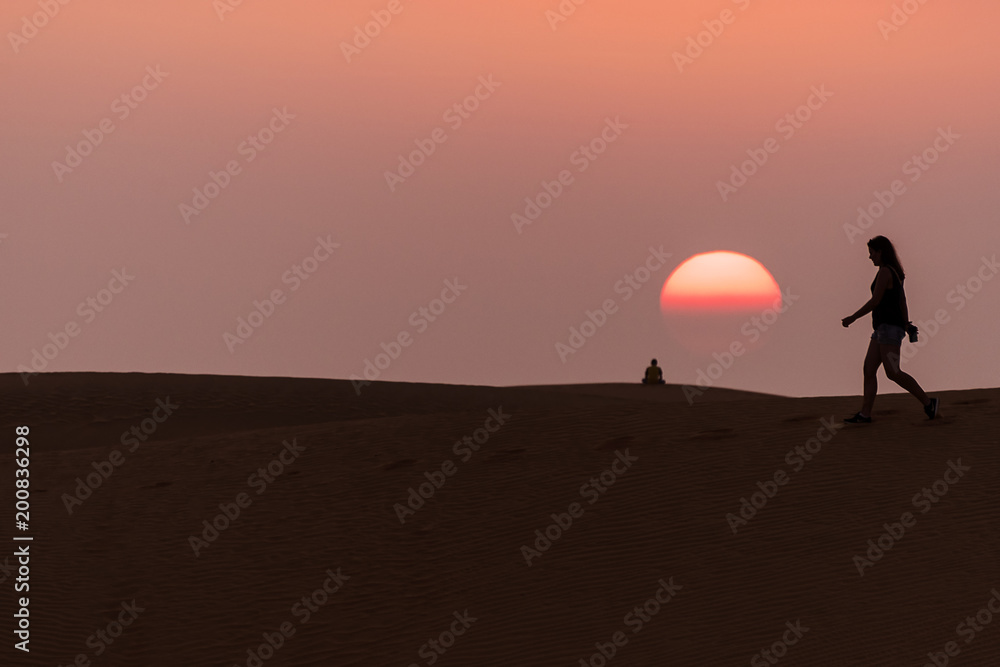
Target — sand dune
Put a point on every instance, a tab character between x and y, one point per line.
653	522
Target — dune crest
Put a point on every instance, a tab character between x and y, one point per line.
392	528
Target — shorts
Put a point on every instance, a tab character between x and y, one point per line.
889	334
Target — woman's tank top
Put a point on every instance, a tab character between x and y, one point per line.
889	310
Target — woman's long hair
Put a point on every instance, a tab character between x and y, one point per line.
889	256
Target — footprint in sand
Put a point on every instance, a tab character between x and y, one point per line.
715	434
615	443
974	401
404	463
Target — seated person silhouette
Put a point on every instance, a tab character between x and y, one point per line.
654	374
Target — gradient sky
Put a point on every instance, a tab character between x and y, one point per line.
655	185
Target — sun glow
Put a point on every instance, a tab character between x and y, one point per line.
719	281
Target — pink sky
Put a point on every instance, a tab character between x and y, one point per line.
607	74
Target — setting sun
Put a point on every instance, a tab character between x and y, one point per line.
708	302
719	281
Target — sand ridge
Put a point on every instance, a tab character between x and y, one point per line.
656	528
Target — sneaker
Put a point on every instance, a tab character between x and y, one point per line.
931	409
858	418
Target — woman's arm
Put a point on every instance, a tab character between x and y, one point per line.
882	282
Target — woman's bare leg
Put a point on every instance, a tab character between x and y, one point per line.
872	361
890	360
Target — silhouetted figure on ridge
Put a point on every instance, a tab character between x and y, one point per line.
654	374
890	321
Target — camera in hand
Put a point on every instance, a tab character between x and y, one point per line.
911	330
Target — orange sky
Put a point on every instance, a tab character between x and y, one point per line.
658	182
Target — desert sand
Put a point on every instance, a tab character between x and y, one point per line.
658	560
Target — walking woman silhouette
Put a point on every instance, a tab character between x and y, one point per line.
889	321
